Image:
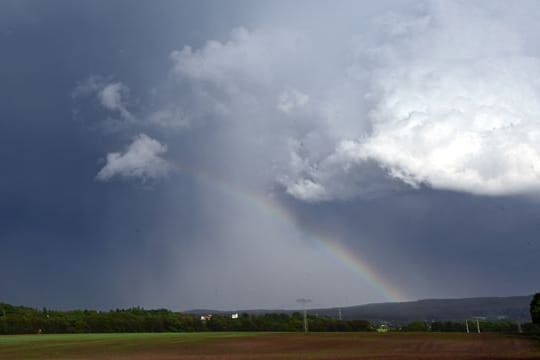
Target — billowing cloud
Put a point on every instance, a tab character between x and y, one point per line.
456	105
469	128
141	161
446	96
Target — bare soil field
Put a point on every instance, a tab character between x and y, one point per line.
215	346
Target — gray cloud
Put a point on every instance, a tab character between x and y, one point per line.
258	87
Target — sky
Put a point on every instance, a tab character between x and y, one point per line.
244	154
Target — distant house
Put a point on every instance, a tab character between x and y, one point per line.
206	317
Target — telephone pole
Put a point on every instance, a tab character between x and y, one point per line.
304	302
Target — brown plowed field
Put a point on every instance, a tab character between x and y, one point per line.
403	346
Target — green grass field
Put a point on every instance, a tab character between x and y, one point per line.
268	346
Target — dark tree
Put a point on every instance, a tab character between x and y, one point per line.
535	309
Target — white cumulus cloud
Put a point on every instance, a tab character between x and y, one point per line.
472	127
142	160
459	108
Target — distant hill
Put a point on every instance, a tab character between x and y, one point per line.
511	308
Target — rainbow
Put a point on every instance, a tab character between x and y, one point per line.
268	206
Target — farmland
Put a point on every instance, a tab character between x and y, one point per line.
238	345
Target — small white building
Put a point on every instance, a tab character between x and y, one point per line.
206	317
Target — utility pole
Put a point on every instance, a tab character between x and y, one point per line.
304	302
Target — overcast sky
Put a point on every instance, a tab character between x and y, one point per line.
243	154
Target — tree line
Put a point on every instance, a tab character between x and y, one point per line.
25	320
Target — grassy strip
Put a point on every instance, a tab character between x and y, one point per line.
49	346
